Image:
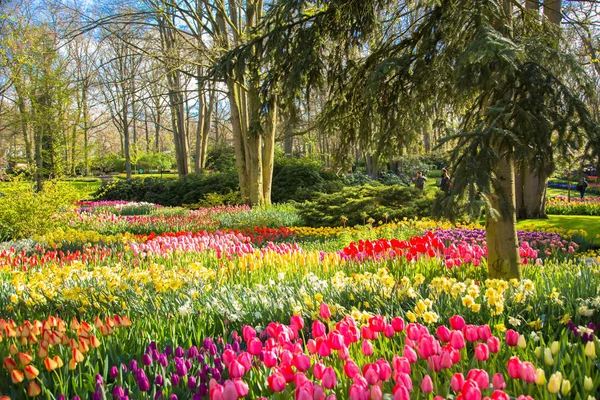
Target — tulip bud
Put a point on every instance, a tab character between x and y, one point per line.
427	385
522	343
538	352
554	347
554	382
588	384
548	359
540	377
498	382
590	349
566	387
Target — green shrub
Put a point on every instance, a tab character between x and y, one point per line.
216	199
221	158
274	216
170	192
25	212
298	179
368	202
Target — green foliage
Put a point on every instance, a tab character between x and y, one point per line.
25	212
170	192
274	216
299	179
216	199
221	158
155	161
361	203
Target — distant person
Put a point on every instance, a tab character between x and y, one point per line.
419	181
445	182
582	187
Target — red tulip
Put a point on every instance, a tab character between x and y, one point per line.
398	324
276	382
457	322
514	367
457	382
512	338
254	346
427	385
493	344
443	333
457	340
500	395
377	323
297	322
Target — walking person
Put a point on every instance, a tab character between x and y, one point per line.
582	186
445	182
419	181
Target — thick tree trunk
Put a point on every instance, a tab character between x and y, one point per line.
238	140
553	10
24	130
206	129
530	184
501	232
372	166
199	127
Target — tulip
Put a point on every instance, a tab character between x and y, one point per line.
427	385
443	333
389	332
397	324
493	344
385	371
485	332
590	349
457	381
33	389
498	382
276	382
371	373
554	348
302	362
522	343
229	391
457	322
24	358
588	384
31	372
528	372
254	346
376	393
16	376
9	363
457	340
146	359
318	329
514	367
471	333
540	377
538	352
548	359
410	354
367	348
351	369
357	392
554	382
318	370
297	322
324	311
512	338
565	387
480	377
482	352
500	395
329	378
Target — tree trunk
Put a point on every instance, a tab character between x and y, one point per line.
85	115
372	166
553	10
199	127
126	146
206	128
501	233
532	4
530	186
238	141
269	152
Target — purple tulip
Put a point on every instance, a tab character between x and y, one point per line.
114	372
61	397
163	360
192	352
146	359
173	397
118	392
196	396
97	396
133	365
203	389
144	384
76	398
235	347
169	350
191	383
174	380
158	395
159	380
217	375
179	352
180	367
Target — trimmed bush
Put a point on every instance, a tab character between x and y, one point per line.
361	204
299	179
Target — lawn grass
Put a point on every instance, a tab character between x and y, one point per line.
590	224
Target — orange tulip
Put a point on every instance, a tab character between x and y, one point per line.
12	349
125	321
85	326
58	361
16	376
9	363
10	331
3	324
110	322
74	324
25	331
36	329
52	320
94	342
83	346
50	364
33	389
98	322
31	372
43	352
77	355
23	341
25	358
61	326
72	364
4	398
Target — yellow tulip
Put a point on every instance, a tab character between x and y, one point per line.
554	382
540	377
554	347
538	352
548	357
566	387
522	343
590	349
588	384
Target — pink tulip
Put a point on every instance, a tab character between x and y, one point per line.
401	364
482	353
480	377
246	360
302	362
318	370
367	348
331	397
457	382
323	348
229	391
318	393
343	353
500	395
329	378
357	392
410	354
485	332
304	392
236	369
248	333
427	385
528	372
371	373
385	371
413	332
398	324
493	344
324	311
311	345
351	369
377	323
376	393
498	382
227	357
471	333
216	392
400	392
471	392
446	359
336	340
443	333
318	329
404	380
287	358
457	340
269	359
254	346
457	322
512	338
241	387
367	333
276	382
389	332
514	367
297	322
300	379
